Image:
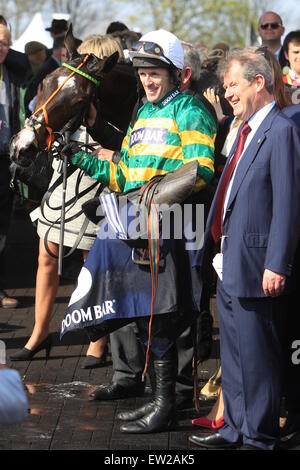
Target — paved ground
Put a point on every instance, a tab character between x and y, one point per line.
61	417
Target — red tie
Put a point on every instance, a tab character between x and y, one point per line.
217	223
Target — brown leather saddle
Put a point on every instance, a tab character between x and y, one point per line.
165	191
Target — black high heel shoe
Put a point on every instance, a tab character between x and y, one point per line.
91	362
25	354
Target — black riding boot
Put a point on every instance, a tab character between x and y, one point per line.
161	415
146	408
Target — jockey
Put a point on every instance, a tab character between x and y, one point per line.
170	130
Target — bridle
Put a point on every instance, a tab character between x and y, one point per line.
33	124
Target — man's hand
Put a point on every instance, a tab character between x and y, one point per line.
273	283
103	154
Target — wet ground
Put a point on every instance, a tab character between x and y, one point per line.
61	416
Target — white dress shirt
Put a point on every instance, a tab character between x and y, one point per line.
254	122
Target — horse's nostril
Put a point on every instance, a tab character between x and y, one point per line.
25	156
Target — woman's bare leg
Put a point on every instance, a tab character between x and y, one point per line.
95	348
217	410
47	281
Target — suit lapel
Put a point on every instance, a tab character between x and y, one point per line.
250	153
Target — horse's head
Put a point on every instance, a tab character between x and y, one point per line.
62	102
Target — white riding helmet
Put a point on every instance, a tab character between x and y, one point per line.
158	49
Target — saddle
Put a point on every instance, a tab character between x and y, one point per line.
165	191
177	186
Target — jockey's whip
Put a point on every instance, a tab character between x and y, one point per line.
63	204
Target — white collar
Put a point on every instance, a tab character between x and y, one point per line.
258	117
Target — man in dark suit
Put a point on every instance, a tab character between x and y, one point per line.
271	30
291	391
254	222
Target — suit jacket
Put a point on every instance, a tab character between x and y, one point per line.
293	112
261	223
18	63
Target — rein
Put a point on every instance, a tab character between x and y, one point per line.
50	137
69	205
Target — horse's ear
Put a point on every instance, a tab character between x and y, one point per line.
70	43
110	62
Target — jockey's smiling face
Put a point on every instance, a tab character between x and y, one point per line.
156	82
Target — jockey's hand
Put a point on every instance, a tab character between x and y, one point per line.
103	154
70	149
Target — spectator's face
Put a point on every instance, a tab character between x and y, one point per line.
38	57
4	46
293	56
270	28
156	82
241	95
64	55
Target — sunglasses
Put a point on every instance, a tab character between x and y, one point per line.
273	25
149	48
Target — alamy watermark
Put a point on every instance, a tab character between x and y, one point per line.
176	222
2	352
296	354
296	96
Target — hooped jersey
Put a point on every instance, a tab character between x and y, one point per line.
165	135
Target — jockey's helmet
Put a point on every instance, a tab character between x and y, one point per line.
158	49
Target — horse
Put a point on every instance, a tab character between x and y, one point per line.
66	96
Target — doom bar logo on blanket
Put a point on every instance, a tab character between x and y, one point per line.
81	316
